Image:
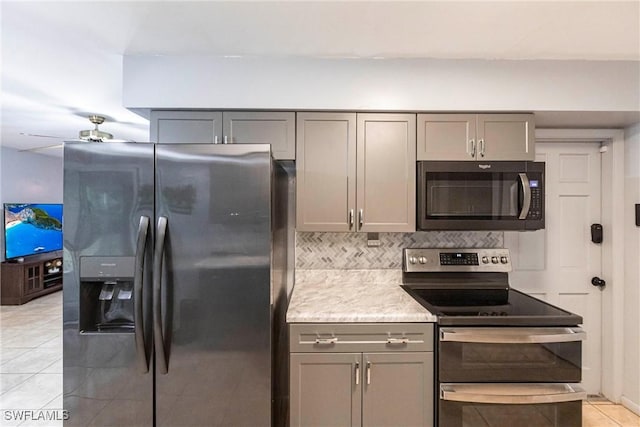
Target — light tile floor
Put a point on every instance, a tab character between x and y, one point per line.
31	362
31	369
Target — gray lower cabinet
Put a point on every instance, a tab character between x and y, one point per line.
324	390
388	383
229	127
475	137
355	172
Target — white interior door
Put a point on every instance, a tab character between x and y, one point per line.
557	264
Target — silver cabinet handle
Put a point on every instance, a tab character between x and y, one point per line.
512	335
138	281
326	341
368	372
360	218
357	373
481	146
216	140
472	148
226	140
397	341
157	293
351	215
526	190
529	393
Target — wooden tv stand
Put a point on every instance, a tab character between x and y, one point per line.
21	282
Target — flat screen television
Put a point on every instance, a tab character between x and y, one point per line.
31	229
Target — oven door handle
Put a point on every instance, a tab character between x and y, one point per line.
512	335
512	394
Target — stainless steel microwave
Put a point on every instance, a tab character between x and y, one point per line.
480	195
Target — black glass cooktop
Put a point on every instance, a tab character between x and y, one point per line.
490	307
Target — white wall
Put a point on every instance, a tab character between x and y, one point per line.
631	384
29	178
384	84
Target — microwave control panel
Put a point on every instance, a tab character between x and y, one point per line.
535	210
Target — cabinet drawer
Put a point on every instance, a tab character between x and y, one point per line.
342	337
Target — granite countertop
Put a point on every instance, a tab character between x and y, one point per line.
353	296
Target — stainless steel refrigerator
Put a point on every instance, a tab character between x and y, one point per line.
175	285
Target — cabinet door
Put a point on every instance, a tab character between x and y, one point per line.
446	136
506	137
325	171
398	389
189	127
326	389
386	183
32	279
275	128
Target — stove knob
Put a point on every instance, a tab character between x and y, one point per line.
503	259
412	260
485	260
494	260
422	260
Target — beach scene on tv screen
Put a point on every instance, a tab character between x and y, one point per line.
32	229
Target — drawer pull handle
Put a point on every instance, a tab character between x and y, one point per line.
368	372
326	341
357	373
397	341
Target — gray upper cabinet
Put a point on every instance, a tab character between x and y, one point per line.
189	127
506	137
275	128
475	137
229	127
386	172
355	172
326	171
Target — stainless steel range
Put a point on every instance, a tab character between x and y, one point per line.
504	358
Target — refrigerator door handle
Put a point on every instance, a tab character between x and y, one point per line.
141	249
158	256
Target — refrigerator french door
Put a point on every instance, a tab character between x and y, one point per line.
167	285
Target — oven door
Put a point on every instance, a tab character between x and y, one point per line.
510	354
481	196
531	405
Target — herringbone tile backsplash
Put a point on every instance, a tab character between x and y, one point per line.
349	251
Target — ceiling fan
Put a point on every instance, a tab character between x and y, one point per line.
89	135
95	135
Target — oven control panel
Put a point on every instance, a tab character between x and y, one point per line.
457	259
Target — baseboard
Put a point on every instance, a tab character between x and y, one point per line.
632	406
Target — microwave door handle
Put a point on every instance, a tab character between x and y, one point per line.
141	249
526	189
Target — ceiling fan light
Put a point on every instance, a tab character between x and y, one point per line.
95	135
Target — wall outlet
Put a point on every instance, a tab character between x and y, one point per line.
373	240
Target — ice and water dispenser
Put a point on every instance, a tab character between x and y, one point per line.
107	294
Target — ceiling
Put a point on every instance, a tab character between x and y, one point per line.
62	61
